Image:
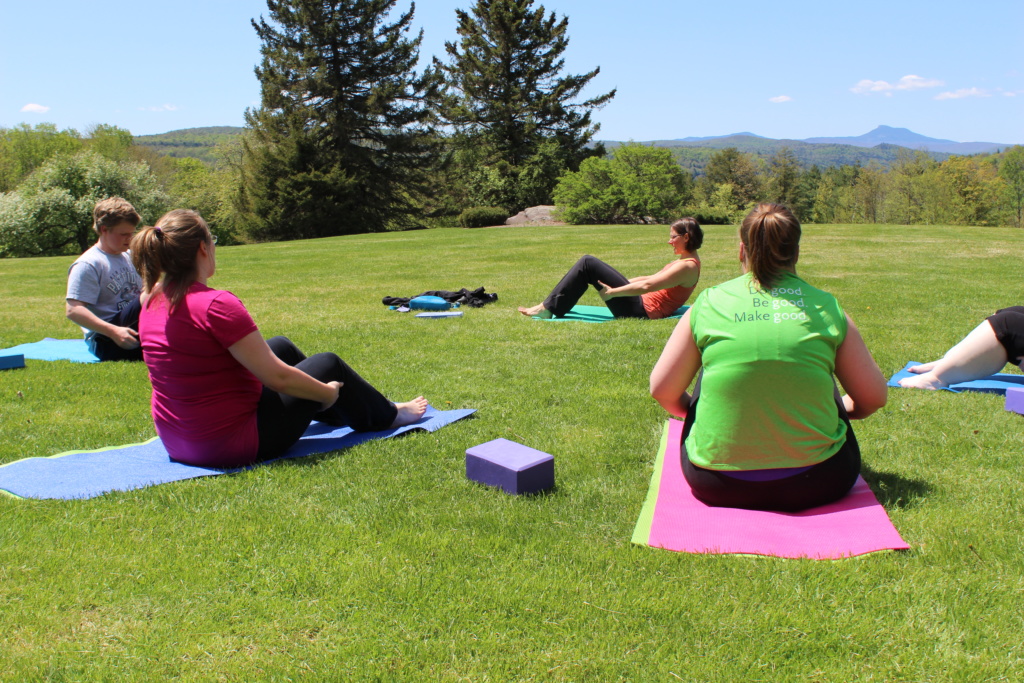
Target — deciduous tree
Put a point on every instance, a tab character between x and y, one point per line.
1011	169
639	184
51	212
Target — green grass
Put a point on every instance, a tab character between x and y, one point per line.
384	562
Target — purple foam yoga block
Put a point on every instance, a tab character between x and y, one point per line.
510	466
15	360
1015	400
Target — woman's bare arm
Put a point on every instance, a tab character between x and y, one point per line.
859	375
678	365
255	355
681	273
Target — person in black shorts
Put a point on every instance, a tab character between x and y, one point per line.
991	345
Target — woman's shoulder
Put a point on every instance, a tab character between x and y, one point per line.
201	291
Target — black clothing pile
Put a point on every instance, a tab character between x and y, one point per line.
476	298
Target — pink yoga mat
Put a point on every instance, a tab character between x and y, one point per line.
855	525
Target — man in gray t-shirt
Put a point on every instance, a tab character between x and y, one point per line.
104	287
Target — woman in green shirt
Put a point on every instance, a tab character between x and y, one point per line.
772	431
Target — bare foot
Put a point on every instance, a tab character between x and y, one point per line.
409	412
922	368
537	310
925	381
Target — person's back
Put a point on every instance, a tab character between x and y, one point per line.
767	389
766	429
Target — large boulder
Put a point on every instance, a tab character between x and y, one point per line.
535	215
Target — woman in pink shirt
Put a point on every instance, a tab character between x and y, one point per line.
646	297
222	395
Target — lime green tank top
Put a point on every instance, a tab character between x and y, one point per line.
766	398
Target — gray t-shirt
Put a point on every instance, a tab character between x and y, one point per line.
104	283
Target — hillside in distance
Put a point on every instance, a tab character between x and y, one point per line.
197	143
908	138
881	145
693	156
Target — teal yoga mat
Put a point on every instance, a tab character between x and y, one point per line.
598	314
87	474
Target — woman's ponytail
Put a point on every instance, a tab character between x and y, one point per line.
771	236
145	248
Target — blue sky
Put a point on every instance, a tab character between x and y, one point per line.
952	70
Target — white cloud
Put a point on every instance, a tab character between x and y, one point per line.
908	82
961	93
162	107
35	108
780	99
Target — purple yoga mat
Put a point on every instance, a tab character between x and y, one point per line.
855	525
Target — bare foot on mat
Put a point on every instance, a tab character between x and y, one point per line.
409	412
922	368
925	381
537	310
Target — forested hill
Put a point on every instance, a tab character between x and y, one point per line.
190	142
694	154
691	153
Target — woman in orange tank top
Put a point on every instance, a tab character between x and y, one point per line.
648	296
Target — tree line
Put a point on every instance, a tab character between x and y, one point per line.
640	183
352	136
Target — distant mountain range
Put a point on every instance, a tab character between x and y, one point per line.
883	135
882	145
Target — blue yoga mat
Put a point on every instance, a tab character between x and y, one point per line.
87	474
598	314
73	350
993	384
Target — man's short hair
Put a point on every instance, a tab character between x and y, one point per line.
113	211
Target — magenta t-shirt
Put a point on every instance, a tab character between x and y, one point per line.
204	401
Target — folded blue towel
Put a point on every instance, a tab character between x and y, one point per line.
993	384
73	350
87	474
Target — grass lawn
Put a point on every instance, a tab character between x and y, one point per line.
384	562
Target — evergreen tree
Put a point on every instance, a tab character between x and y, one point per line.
342	138
505	94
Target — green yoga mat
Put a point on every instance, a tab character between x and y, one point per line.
598	314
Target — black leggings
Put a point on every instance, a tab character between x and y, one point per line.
587	271
282	419
1008	324
823	483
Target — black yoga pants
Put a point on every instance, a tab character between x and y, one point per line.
1008	324
587	271
823	483
282	419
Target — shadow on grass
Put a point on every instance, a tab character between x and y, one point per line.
894	490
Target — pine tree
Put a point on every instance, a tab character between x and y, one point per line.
342	138
506	98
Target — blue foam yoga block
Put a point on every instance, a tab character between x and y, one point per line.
512	467
15	360
1015	400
